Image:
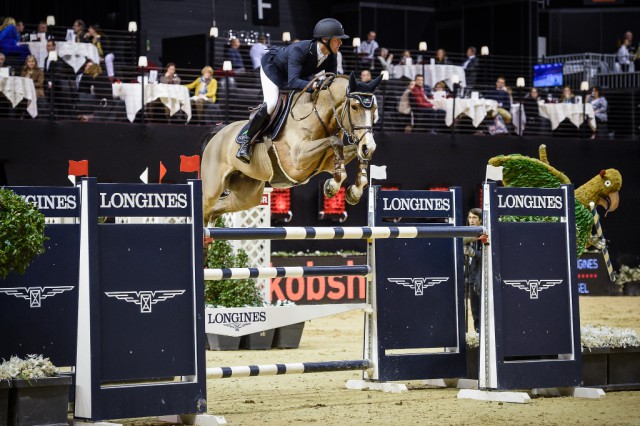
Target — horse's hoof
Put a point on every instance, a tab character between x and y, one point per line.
350	197
327	189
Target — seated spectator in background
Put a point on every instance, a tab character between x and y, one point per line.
9	38
101	42
2	59
170	76
32	71
427	116
79	31
367	49
600	105
43	31
441	89
404	105
257	51
501	95
385	59
470	66
535	123
623	56
365	76
94	91
441	57
234	55
406	58
567	96
51	47
205	88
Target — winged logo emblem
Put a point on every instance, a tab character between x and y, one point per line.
418	284
144	299
35	295
532	286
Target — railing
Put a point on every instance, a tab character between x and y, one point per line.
238	92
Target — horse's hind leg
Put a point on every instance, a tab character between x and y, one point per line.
244	193
211	194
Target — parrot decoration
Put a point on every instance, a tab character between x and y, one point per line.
522	171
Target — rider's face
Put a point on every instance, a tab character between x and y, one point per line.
335	44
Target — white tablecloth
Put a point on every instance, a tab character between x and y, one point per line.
18	88
432	73
76	54
561	111
39	50
476	109
173	96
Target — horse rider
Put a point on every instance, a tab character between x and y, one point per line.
292	68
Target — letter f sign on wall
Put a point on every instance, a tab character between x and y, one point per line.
266	12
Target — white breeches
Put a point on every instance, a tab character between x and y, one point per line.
270	92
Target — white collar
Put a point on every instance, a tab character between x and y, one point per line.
321	56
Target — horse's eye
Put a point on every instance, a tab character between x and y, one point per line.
354	107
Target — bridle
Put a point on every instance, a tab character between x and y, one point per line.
365	99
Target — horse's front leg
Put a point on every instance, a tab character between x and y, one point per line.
354	192
332	186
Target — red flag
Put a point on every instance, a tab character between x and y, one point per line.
190	164
78	168
163	171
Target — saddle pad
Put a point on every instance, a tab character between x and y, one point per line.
278	118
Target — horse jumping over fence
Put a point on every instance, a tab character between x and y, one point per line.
311	142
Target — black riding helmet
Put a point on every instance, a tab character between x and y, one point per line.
331	28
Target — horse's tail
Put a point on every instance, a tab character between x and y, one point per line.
204	140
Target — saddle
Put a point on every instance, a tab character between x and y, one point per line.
278	118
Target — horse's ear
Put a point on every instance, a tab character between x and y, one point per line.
353	83
371	86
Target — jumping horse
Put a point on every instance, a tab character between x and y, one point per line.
311	142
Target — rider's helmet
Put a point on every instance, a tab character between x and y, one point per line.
329	27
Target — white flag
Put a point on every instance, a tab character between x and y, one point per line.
494	173
377	172
144	177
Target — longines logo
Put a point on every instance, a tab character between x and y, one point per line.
145	299
419	284
35	295
532	286
237	320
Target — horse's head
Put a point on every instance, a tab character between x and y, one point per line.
360	108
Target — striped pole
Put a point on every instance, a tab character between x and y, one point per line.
293	368
285	271
605	250
343	233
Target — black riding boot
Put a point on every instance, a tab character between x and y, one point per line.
259	120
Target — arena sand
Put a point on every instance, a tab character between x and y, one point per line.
321	399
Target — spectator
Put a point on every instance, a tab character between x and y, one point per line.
257	51
365	76
385	59
406	58
404	105
473	267
9	38
101	42
367	50
631	48
79	31
31	70
441	57
233	55
427	116
51	47
624	57
205	89
600	105
170	76
440	87
94	91
567	95
471	68
501	95
535	122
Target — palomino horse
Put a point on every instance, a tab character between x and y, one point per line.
309	143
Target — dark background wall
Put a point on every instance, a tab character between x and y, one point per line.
39	151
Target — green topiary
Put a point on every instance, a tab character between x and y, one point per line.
229	293
21	233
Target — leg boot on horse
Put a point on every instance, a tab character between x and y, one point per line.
258	122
